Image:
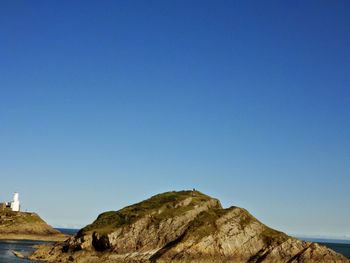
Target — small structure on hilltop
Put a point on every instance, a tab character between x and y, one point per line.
11	206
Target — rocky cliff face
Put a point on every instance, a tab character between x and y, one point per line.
21	225
183	226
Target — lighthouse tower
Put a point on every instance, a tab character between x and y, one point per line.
15	203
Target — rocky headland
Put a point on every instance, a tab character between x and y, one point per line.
185	226
27	226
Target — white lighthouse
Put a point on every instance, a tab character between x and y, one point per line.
15	203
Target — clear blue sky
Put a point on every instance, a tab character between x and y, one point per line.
104	103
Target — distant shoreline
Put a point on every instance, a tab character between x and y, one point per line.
48	238
68	231
324	239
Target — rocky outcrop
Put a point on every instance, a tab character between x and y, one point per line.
183	226
27	226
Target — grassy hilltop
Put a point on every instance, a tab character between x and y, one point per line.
159	207
24	225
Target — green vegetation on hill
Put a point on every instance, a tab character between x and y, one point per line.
10	218
159	207
172	204
27	226
204	224
271	236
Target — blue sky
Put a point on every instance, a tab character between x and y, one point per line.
104	103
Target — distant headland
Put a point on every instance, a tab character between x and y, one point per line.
18	225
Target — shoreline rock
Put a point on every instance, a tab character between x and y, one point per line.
46	238
18	254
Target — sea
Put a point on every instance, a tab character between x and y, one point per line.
342	246
26	247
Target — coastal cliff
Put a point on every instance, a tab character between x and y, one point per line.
185	226
27	226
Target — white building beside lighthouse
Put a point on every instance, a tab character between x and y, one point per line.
15	206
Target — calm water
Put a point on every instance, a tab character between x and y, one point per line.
23	246
26	247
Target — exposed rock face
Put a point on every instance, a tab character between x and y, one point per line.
182	227
21	225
